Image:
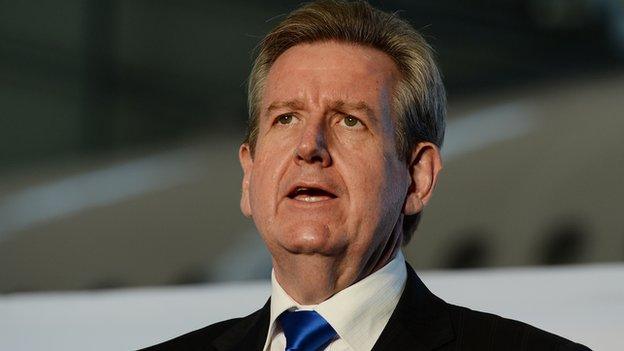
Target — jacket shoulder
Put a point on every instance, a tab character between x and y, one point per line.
486	331
231	334
199	339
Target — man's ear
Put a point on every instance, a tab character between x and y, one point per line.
246	161
424	165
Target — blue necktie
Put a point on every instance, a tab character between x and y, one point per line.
306	330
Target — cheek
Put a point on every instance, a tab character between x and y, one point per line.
378	187
366	180
269	167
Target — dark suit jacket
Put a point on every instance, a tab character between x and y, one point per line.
421	321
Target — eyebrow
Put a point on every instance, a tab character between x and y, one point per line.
351	106
339	105
291	104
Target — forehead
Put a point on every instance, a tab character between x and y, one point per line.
322	72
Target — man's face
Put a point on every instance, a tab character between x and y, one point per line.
325	177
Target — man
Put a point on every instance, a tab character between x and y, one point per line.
346	123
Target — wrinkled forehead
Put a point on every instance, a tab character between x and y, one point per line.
323	73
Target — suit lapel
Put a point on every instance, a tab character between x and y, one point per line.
248	334
419	322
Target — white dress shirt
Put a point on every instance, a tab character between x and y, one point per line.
358	313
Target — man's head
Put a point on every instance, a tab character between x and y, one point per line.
346	120
418	99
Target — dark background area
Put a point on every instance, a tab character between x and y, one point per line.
88	77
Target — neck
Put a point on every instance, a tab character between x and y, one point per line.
313	278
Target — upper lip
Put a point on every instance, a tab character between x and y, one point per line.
295	188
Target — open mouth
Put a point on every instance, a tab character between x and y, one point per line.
310	194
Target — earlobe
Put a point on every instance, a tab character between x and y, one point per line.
424	167
246	161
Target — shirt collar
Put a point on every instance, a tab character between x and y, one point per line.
358	313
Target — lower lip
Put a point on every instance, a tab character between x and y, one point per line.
311	200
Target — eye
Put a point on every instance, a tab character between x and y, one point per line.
351	121
285	119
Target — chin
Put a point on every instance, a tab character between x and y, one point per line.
311	239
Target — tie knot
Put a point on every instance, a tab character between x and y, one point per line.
305	330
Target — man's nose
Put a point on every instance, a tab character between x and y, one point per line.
312	147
